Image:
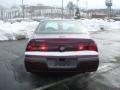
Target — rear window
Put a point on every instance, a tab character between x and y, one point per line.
60	27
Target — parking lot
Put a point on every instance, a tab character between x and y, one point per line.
14	77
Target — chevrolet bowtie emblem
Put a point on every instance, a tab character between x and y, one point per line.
62	49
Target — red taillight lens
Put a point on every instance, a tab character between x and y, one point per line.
43	47
81	46
92	47
87	46
33	46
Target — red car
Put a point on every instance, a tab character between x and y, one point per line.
61	46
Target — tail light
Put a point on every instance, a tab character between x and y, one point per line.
81	46
43	47
33	46
92	47
84	46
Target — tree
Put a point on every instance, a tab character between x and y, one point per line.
14	7
71	7
2	12
77	14
1	7
31	11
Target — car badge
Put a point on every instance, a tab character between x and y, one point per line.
62	49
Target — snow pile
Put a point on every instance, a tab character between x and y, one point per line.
16	30
29	27
100	24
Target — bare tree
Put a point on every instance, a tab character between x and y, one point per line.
71	7
2	12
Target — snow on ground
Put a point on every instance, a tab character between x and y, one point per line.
100	24
24	28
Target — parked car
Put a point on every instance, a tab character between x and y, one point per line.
61	46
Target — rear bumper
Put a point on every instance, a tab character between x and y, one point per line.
87	63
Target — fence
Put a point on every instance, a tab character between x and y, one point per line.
49	12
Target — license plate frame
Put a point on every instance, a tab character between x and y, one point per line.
62	63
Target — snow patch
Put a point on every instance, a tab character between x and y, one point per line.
101	24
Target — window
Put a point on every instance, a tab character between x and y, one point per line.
60	27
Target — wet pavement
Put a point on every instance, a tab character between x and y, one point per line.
14	77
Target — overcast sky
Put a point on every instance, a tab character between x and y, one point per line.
82	3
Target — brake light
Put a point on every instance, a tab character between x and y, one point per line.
87	46
81	46
33	46
43	47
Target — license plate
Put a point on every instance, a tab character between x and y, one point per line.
62	63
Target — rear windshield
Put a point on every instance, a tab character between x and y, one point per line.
60	27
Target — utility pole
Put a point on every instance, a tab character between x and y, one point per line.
86	9
23	14
77	3
62	9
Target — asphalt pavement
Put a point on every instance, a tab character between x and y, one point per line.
13	75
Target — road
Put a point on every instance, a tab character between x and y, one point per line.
14	77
